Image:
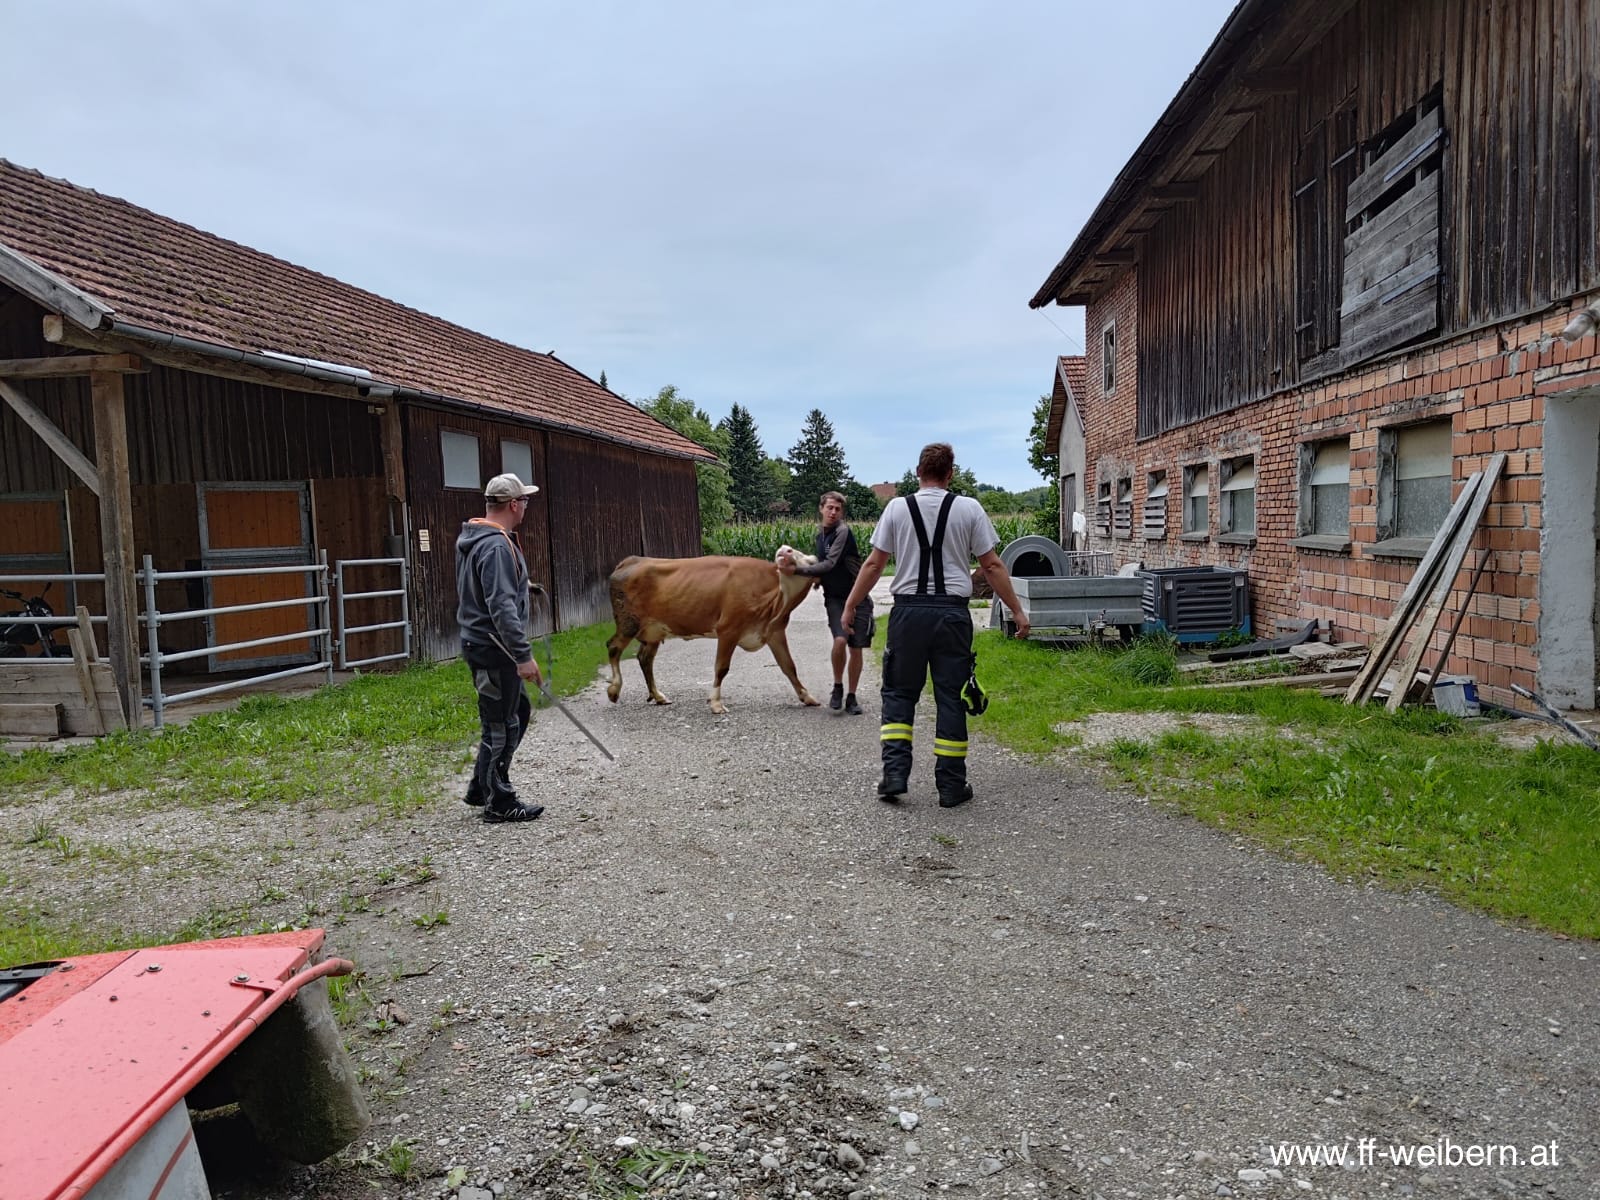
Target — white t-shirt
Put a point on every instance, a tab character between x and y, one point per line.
967	534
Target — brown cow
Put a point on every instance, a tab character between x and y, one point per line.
739	601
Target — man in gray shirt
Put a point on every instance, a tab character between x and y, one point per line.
933	536
492	589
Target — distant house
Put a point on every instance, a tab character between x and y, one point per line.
885	492
1065	434
1330	282
244	410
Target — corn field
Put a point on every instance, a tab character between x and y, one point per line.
762	539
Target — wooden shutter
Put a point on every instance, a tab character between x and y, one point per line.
1391	255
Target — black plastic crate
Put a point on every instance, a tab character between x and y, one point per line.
1196	604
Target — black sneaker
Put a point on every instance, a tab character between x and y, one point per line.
954	799
477	799
497	813
891	791
850	705
836	697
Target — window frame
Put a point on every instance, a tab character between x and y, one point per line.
1392	538
1102	507
1122	507
508	468
445	460
1309	536
1191	472
1108	358
1228	492
1154	515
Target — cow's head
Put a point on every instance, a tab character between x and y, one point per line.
793	587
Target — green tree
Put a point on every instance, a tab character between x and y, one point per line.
752	488
603	382
817	462
680	413
963	482
907	485
1042	456
861	503
1045	459
998	500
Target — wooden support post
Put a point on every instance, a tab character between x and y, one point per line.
116	538
394	460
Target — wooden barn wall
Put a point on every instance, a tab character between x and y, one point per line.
597	511
184	429
441	512
1521	215
671	505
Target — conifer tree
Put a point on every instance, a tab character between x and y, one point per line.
751	487
817	462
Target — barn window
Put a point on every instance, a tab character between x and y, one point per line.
1196	501
1102	508
1391	255
460	453
1238	499
1324	167
1414	472
1155	506
516	458
1122	517
1108	357
1325	493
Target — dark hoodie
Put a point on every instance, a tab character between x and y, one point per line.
492	582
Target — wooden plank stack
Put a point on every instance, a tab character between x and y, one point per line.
56	697
1416	615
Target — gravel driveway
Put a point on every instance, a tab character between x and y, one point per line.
723	946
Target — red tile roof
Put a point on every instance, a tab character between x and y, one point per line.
1076	369
162	275
1072	371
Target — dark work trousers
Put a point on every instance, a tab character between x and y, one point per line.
927	634
503	711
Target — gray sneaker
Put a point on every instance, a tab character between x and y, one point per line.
836	697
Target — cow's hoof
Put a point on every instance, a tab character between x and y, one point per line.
719	708
659	699
810	701
612	693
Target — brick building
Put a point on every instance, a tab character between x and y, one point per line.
1355	257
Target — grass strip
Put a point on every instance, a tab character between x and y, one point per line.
1414	798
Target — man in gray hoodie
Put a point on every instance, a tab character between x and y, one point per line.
492	583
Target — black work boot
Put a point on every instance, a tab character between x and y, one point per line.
955	796
892	789
836	697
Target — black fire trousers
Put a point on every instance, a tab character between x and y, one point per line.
503	712
927	635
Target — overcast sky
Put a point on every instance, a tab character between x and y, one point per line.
797	206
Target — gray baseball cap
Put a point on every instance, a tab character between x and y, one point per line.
507	487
